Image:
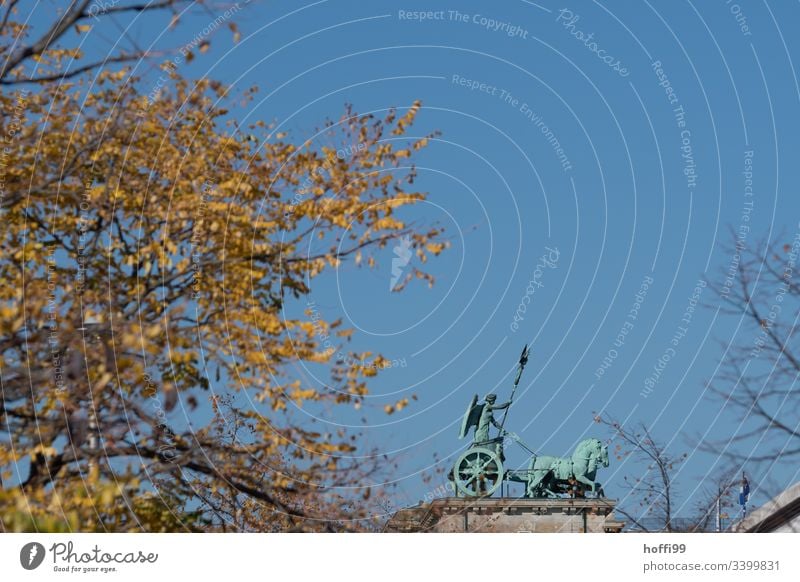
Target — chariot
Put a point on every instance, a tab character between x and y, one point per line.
479	471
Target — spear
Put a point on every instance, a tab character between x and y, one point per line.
523	359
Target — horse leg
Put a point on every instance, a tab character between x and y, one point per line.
586	481
533	483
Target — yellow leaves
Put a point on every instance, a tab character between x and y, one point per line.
73	505
236	35
8	311
107	496
152	331
316	266
396	407
380	362
435	247
94	315
43	450
130	339
253	357
150	166
204	46
307	326
81	28
97	192
388	223
183	357
407	119
307	394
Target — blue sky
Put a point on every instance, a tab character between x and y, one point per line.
646	186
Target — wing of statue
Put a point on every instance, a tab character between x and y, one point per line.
471	418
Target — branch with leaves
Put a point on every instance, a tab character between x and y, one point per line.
151	249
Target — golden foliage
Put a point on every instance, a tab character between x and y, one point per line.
150	249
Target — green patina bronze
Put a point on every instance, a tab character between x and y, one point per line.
479	470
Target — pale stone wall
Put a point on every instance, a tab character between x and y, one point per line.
505	515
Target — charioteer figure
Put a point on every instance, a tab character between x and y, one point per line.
481	417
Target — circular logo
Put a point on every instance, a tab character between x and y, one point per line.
31	555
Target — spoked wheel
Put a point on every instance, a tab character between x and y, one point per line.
478	472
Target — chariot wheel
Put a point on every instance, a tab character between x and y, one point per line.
478	472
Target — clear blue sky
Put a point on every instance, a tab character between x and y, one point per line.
623	202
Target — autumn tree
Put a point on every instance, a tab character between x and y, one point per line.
152	252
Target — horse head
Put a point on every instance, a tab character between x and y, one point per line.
603	455
593	451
